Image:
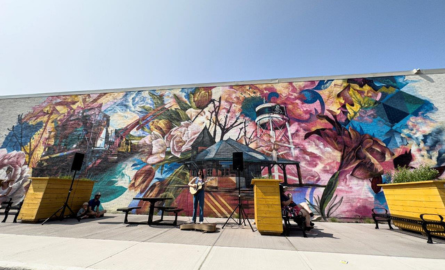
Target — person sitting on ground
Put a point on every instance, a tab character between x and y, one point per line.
93	207
83	211
297	209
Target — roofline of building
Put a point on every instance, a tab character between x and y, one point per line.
414	72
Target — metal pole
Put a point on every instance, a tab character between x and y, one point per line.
62	215
239	196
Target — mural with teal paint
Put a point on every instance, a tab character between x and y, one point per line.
346	134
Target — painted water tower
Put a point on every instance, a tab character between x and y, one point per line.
272	118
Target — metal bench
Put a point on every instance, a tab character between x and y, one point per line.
386	217
7	207
379	217
126	210
425	224
299	220
169	209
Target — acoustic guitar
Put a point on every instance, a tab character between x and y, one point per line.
194	190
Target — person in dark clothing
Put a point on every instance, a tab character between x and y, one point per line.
93	207
198	198
297	209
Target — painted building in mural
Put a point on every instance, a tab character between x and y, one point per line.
344	133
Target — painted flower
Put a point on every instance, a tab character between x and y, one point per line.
202	97
199	117
142	179
162	126
360	153
154	147
180	138
20	181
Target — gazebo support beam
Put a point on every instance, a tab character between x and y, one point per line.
284	173
299	174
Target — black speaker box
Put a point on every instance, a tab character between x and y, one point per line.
77	162
238	162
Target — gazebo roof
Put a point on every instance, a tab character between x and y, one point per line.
223	151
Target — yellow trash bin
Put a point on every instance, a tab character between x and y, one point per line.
268	206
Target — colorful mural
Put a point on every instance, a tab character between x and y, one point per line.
345	133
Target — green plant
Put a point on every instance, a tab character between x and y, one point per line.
69	177
423	173
368	220
332	206
264	177
333	219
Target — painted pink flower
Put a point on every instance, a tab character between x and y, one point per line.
199	117
154	147
19	177
180	138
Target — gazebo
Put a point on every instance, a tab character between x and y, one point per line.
216	160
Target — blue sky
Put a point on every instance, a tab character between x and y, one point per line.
58	46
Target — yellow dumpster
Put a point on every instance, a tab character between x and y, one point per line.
268	206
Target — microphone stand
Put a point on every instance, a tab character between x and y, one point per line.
241	213
65	205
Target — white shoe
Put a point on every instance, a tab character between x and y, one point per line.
311	233
200	222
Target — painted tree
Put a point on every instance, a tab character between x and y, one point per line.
223	117
23	137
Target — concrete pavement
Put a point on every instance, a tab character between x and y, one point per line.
109	244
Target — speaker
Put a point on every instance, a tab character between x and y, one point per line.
77	162
238	162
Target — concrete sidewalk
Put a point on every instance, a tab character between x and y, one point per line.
110	244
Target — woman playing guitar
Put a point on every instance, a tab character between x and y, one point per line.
198	197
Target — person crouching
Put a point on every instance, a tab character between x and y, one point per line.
93	207
83	211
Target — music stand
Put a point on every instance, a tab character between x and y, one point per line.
238	166
76	166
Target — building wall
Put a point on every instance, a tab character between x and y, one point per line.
346	132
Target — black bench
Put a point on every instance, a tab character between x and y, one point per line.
299	220
437	224
379	217
8	207
126	210
171	210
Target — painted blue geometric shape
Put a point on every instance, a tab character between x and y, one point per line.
394	115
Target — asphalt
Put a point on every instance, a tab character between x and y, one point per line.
107	243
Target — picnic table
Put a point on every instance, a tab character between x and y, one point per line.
153	201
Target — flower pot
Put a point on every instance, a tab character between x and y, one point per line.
410	200
268	216
47	194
